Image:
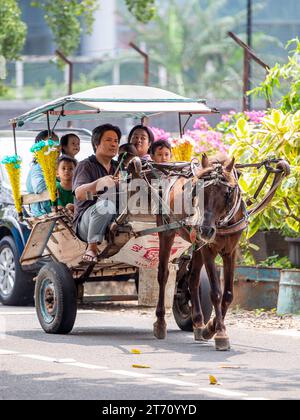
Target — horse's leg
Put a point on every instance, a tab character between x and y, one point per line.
229	266
222	341
210	329
221	337
194	286
166	241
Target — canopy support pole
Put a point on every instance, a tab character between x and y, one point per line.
48	124
182	128
15	137
187	121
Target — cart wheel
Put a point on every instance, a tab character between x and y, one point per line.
56	299
182	309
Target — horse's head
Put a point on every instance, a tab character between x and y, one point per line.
126	153
220	186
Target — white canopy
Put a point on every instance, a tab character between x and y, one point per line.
114	101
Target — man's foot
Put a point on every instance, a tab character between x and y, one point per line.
91	255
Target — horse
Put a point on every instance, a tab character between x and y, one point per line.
220	230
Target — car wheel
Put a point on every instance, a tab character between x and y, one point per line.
16	286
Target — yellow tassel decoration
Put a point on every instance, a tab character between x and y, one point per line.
183	150
46	154
13	167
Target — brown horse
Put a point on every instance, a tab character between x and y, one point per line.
220	230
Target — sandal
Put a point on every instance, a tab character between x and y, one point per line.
90	257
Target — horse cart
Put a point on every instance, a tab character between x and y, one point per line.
59	288
132	246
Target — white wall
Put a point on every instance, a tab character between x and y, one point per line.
104	37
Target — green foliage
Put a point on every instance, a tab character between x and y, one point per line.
68	19
276	262
12	32
65	20
142	10
278	137
189	39
285	77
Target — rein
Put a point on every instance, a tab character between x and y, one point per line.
216	177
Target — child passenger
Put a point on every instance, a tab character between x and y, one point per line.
161	151
65	170
70	145
35	182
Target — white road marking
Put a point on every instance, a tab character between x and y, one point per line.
129	374
172	382
37	357
7	352
287	333
167	381
82	311
223	392
3	313
85	366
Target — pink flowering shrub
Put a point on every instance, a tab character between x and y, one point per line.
203	138
201	124
229	120
160	134
255	117
206	139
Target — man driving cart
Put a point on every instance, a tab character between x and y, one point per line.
95	174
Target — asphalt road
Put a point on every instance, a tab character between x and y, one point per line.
95	360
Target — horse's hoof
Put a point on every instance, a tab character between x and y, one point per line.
160	331
222	343
198	334
209	331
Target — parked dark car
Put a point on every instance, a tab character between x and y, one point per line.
16	285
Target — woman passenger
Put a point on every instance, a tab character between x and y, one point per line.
142	138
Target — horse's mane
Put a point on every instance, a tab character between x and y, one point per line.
219	158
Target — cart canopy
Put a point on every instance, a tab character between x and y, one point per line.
114	102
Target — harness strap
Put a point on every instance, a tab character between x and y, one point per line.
160	229
284	171
233	229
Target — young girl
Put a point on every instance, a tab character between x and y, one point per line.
70	145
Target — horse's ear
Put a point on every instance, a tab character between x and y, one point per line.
205	161
230	166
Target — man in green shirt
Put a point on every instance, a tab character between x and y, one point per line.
65	170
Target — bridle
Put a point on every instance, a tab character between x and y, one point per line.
233	195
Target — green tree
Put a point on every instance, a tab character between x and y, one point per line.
68	19
143	10
284	79
12	31
190	40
